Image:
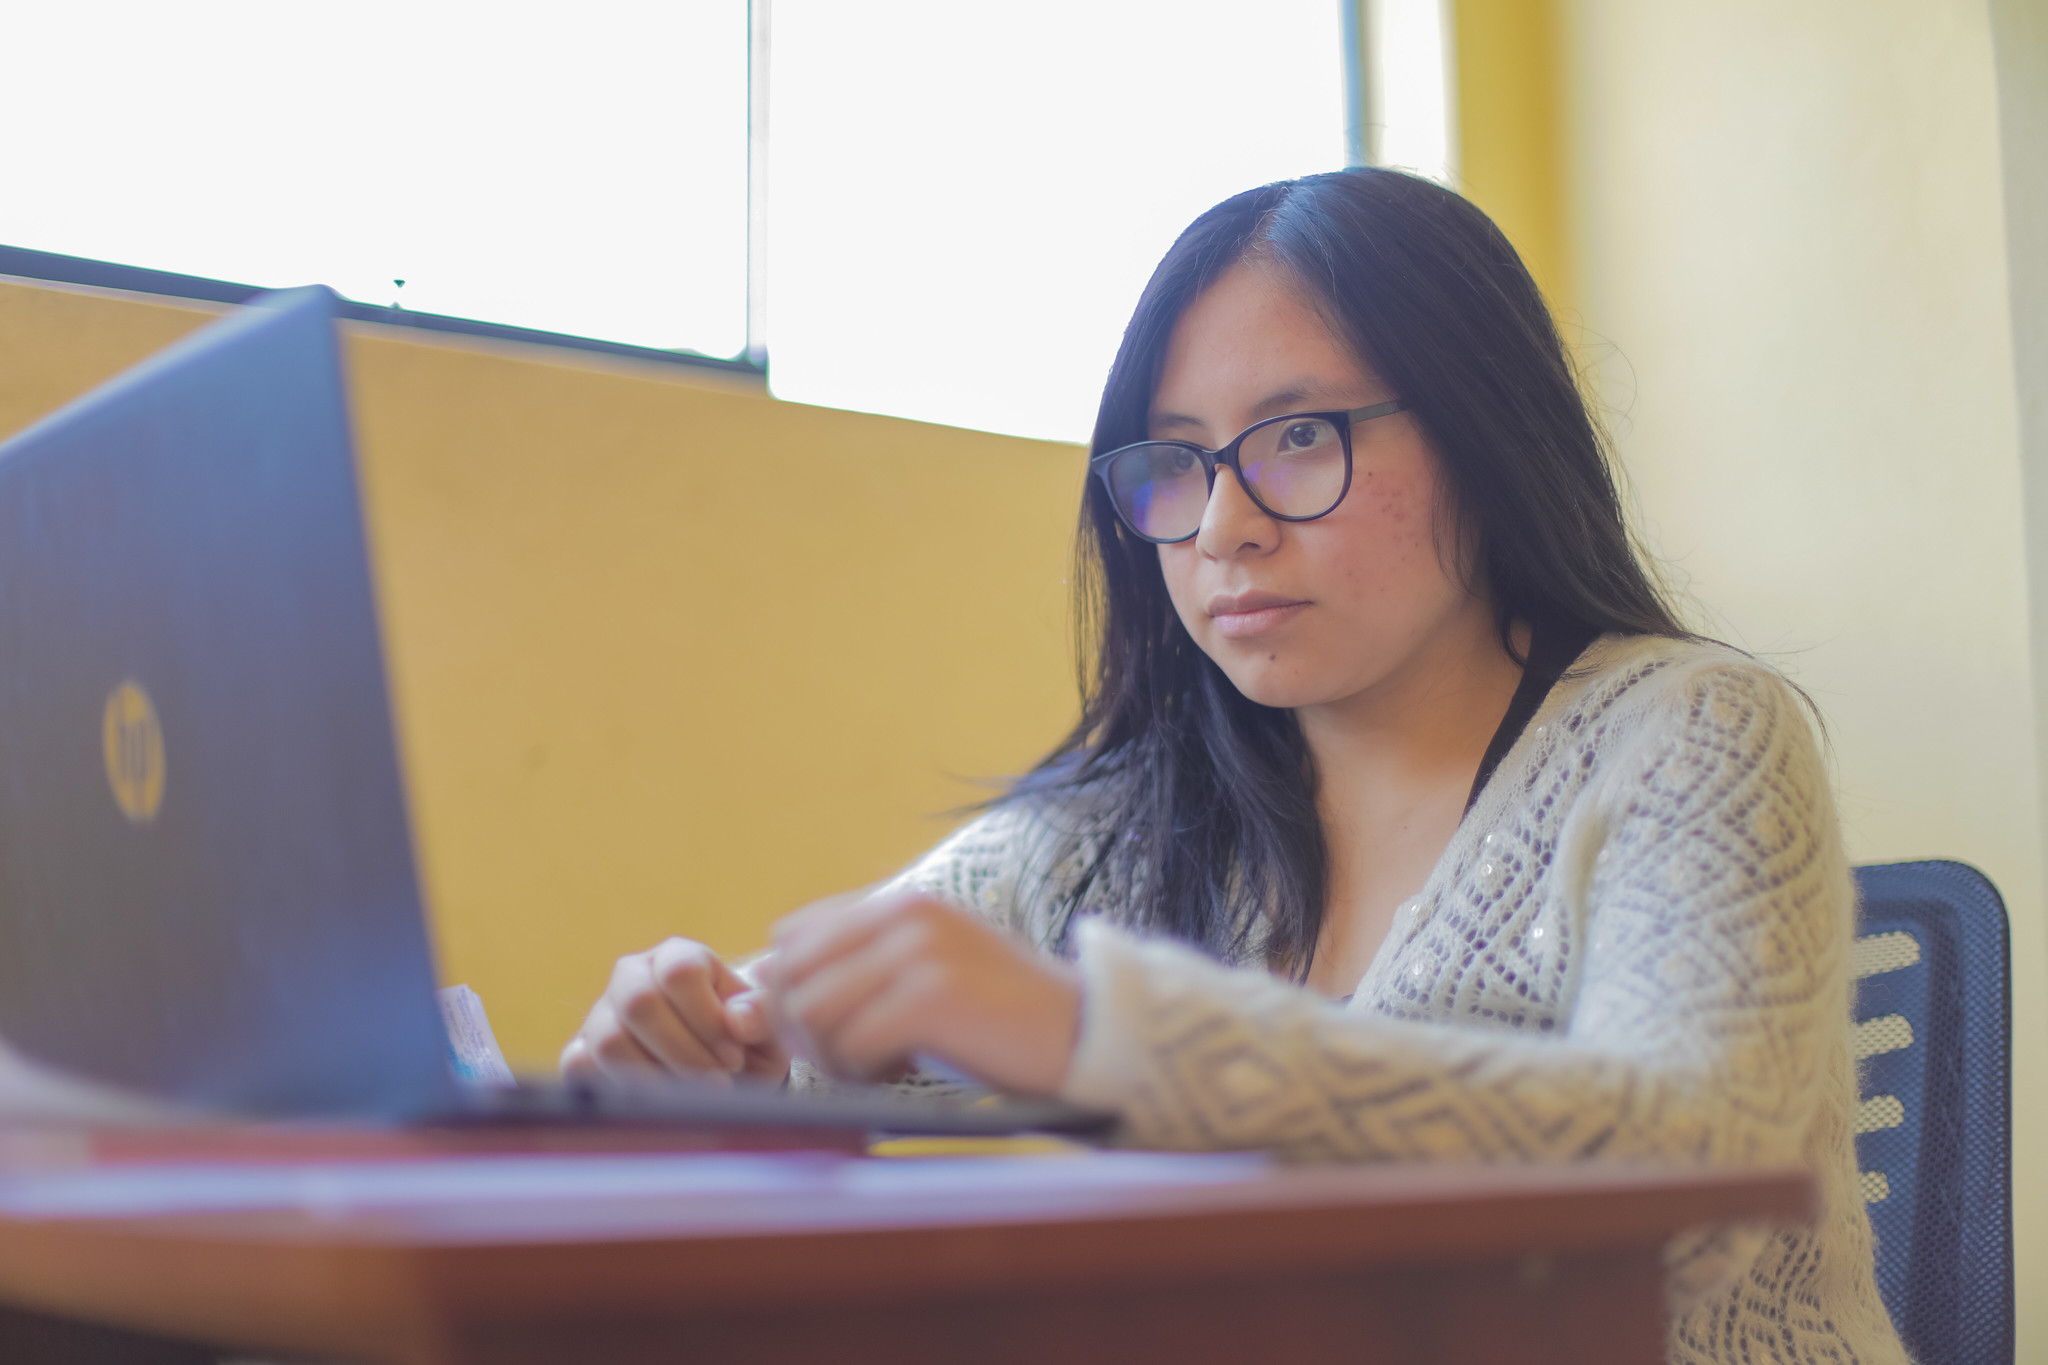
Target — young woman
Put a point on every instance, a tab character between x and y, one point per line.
1403	820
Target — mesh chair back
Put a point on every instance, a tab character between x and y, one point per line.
1933	1132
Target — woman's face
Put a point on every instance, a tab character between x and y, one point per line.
1311	613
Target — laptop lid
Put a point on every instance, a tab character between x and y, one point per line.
207	882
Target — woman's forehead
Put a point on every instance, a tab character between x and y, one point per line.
1252	344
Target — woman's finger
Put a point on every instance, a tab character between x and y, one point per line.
647	1015
888	1027
612	1050
695	983
825	906
578	1062
798	920
835	991
828	931
749	1020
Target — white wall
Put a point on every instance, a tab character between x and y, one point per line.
1791	248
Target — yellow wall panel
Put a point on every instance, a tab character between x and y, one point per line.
668	656
1511	132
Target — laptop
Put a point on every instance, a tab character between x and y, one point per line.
208	888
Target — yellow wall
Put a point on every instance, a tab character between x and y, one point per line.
1788	231
669	656
1511	143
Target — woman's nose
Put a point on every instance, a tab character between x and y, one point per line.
1232	524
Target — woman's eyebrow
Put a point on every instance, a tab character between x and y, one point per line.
1273	405
1286	400
1175	419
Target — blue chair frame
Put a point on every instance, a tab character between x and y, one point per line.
1934	1136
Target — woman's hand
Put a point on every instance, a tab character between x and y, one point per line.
676	1009
861	983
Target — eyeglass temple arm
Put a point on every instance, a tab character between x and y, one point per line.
1392	405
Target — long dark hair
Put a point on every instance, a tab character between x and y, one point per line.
1197	806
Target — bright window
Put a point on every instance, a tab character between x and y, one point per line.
575	168
965	199
1411	93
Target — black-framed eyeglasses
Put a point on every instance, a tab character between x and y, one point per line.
1295	468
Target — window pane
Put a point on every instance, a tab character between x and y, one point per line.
575	168
1411	88
966	199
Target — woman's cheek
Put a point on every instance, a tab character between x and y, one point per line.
1385	552
1178	565
1397	509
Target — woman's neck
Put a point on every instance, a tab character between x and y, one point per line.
1433	714
1394	765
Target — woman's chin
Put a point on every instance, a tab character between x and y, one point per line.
1272	682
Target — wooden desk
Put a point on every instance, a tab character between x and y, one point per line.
1381	1264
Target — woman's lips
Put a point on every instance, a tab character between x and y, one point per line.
1252	613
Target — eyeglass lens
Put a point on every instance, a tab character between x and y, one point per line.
1295	467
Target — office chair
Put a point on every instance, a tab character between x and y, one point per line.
1934	1129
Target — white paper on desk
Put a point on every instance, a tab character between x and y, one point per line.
473	1053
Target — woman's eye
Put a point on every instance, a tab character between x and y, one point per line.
1303	435
1183	461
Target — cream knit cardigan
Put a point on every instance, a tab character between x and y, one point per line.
1635	946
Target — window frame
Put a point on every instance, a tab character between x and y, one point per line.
56	268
